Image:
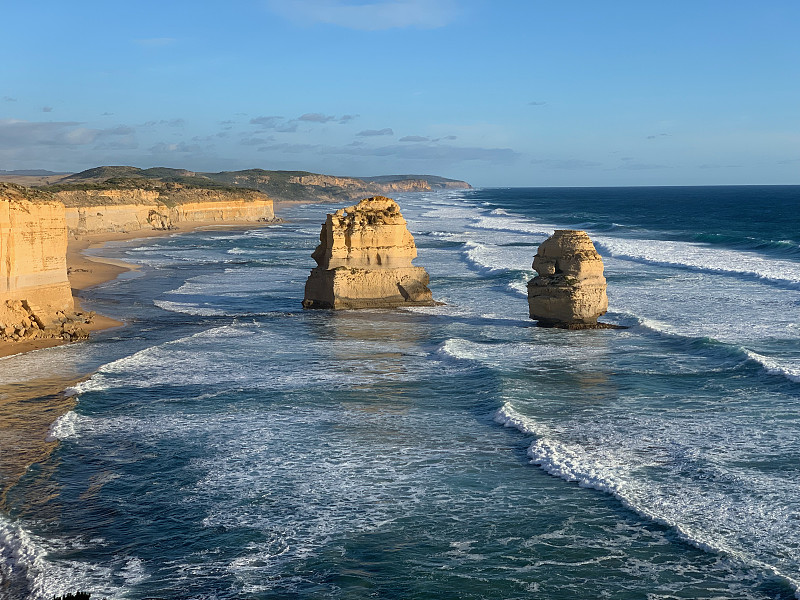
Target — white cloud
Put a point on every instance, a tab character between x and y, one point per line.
182	147
316	118
15	132
375	132
32	142
368	16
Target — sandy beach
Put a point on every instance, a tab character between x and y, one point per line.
88	271
28	408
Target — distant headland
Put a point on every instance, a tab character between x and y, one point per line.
281	186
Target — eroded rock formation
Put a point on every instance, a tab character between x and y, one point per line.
364	260
35	295
570	290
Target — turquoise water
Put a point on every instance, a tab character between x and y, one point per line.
232	445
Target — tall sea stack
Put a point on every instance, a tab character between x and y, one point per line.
364	260
569	291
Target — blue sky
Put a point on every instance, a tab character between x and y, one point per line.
499	93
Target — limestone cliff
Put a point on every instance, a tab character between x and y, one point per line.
33	248
364	260
158	206
35	295
570	289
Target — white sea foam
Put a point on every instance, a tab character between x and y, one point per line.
774	366
702	257
220	294
244	251
317	486
520	286
488	259
659	326
188	309
515	224
134	572
447	211
447	308
448	236
518	354
28	571
705	517
492	259
660	252
63	427
20	559
462	349
204	359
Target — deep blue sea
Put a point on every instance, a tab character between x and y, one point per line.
231	445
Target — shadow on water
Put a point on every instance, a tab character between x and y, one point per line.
27	410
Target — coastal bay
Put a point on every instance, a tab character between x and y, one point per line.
259	450
526	325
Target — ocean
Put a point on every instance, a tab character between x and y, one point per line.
232	445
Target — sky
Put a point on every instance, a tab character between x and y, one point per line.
495	92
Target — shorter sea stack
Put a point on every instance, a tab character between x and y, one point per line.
569	291
364	260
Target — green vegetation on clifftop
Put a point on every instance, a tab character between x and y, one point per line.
302	186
